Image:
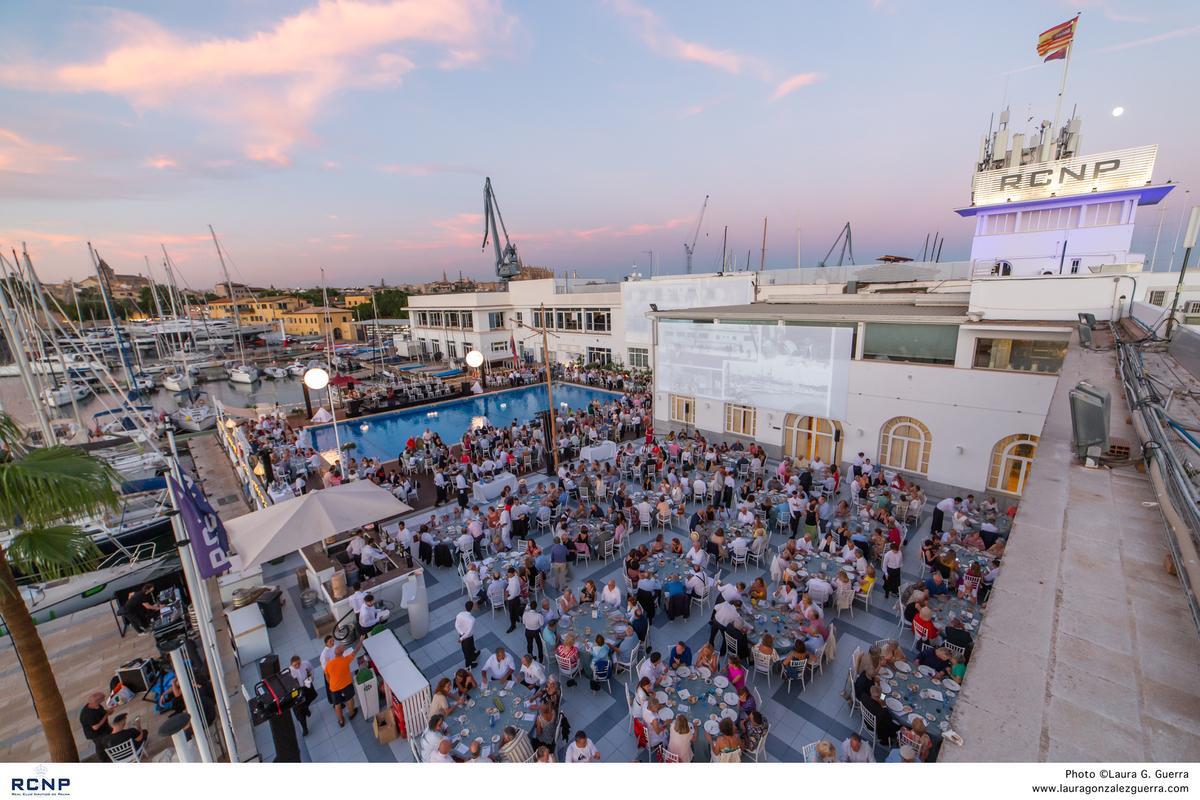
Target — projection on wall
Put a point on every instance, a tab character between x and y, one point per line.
791	368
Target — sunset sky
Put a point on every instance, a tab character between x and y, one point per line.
356	136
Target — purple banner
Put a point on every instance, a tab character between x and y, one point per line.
210	543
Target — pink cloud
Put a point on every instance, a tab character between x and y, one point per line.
18	154
269	86
161	162
793	83
655	35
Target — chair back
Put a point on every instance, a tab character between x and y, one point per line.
957	651
519	750
731	644
845	597
668	757
762	661
868	721
124	753
809	752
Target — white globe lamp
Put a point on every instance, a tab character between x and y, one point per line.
316	378
474	359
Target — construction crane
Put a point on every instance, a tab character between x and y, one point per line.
689	249
508	263
847	247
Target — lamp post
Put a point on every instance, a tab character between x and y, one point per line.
318	379
474	360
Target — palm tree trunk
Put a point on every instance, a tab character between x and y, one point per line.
56	726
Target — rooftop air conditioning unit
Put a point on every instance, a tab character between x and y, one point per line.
1090	411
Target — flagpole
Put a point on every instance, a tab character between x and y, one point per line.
198	590
1062	89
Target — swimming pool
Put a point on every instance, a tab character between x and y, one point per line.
386	433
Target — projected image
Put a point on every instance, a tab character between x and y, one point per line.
785	368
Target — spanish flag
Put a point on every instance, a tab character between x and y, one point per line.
1054	43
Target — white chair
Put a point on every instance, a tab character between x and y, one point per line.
809	752
601	675
668	757
127	752
955	650
844	599
566	670
583	555
736	560
701	599
867	724
795	672
864	598
971	583
609	551
497	605
663	521
630	664
758	752
756	551
731	645
763	663
909	738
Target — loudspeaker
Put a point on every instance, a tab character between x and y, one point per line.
138	675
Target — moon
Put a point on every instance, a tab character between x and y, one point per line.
1118	111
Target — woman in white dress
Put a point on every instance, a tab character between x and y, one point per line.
680	743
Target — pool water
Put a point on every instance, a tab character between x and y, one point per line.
386	433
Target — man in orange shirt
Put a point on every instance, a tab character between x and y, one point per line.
341	687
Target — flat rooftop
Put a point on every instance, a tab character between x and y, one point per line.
849	308
1088	649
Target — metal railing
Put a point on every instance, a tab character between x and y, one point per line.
1151	420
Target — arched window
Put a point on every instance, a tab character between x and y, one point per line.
904	444
1011	459
805	437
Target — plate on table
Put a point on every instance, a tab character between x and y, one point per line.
464	733
884	672
684	671
903	666
712	727
704	672
885	687
496	739
666	714
926	671
720	681
894	704
667	680
470	704
914	717
661	696
729	713
784	643
950	684
731	698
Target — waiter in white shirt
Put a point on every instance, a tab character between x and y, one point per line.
460	485
371	555
370	615
946	506
464	624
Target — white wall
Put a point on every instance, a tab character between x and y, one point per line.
1049	297
1033	252
972	409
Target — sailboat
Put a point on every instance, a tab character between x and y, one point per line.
64	394
196	415
241	372
176	380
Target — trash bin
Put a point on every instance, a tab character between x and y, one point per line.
271	605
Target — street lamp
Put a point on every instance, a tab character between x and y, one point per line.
474	359
318	379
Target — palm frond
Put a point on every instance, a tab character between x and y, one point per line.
52	552
49	484
10	435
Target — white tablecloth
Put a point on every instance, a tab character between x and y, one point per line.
486	491
605	451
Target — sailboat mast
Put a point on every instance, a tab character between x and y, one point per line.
237	318
112	319
8	325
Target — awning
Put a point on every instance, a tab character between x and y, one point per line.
285	527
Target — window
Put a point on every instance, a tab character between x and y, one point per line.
422	318
499	347
520	317
599	355
922	344
739	419
904	444
1158	297
999	223
1049	219
495	319
1103	214
639	357
435	319
452	349
1075	262
1012	458
1021	355
597	319
568	319
806	437
683	409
